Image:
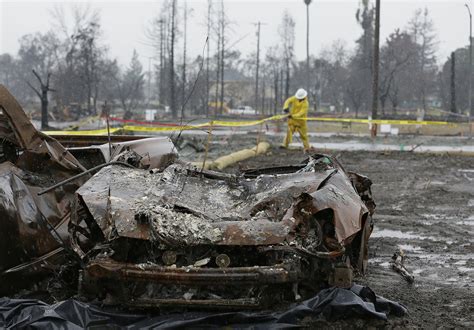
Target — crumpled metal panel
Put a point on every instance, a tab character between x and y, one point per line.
155	152
181	207
42	161
23	232
30	140
338	195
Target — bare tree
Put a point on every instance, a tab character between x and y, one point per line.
287	35
130	86
37	53
421	27
332	70
461	82
43	95
78	73
273	61
396	54
156	33
364	51
7	69
86	39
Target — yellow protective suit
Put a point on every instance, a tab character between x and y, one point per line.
298	111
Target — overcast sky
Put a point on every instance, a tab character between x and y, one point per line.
124	23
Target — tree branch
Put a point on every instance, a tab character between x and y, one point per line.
38	77
33	88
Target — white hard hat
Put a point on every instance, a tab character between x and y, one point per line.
301	94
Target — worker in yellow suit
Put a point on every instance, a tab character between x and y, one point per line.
297	108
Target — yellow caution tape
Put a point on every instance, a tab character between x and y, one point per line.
221	123
247	123
131	128
89	132
379	121
134	128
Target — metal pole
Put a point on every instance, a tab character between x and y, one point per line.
375	71
453	82
106	110
258	64
307	2
470	113
208	82
149	80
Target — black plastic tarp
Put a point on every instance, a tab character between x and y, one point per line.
332	304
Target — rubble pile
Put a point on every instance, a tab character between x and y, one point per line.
144	229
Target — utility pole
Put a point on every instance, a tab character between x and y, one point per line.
307	2
218	68
172	73
149	80
453	82
208	82
470	113
223	22
375	68
162	61
258	64
185	28
259	24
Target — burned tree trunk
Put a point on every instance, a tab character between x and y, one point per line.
43	96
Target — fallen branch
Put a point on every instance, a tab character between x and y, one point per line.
398	265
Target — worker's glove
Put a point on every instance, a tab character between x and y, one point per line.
286	110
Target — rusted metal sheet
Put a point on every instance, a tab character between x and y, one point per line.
33	161
30	140
348	208
109	269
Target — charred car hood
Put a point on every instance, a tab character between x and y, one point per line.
184	206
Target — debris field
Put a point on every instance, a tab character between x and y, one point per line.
133	224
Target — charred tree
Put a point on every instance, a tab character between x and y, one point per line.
43	95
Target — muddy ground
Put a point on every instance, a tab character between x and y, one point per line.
425	206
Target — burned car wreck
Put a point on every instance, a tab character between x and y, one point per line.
191	237
144	235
